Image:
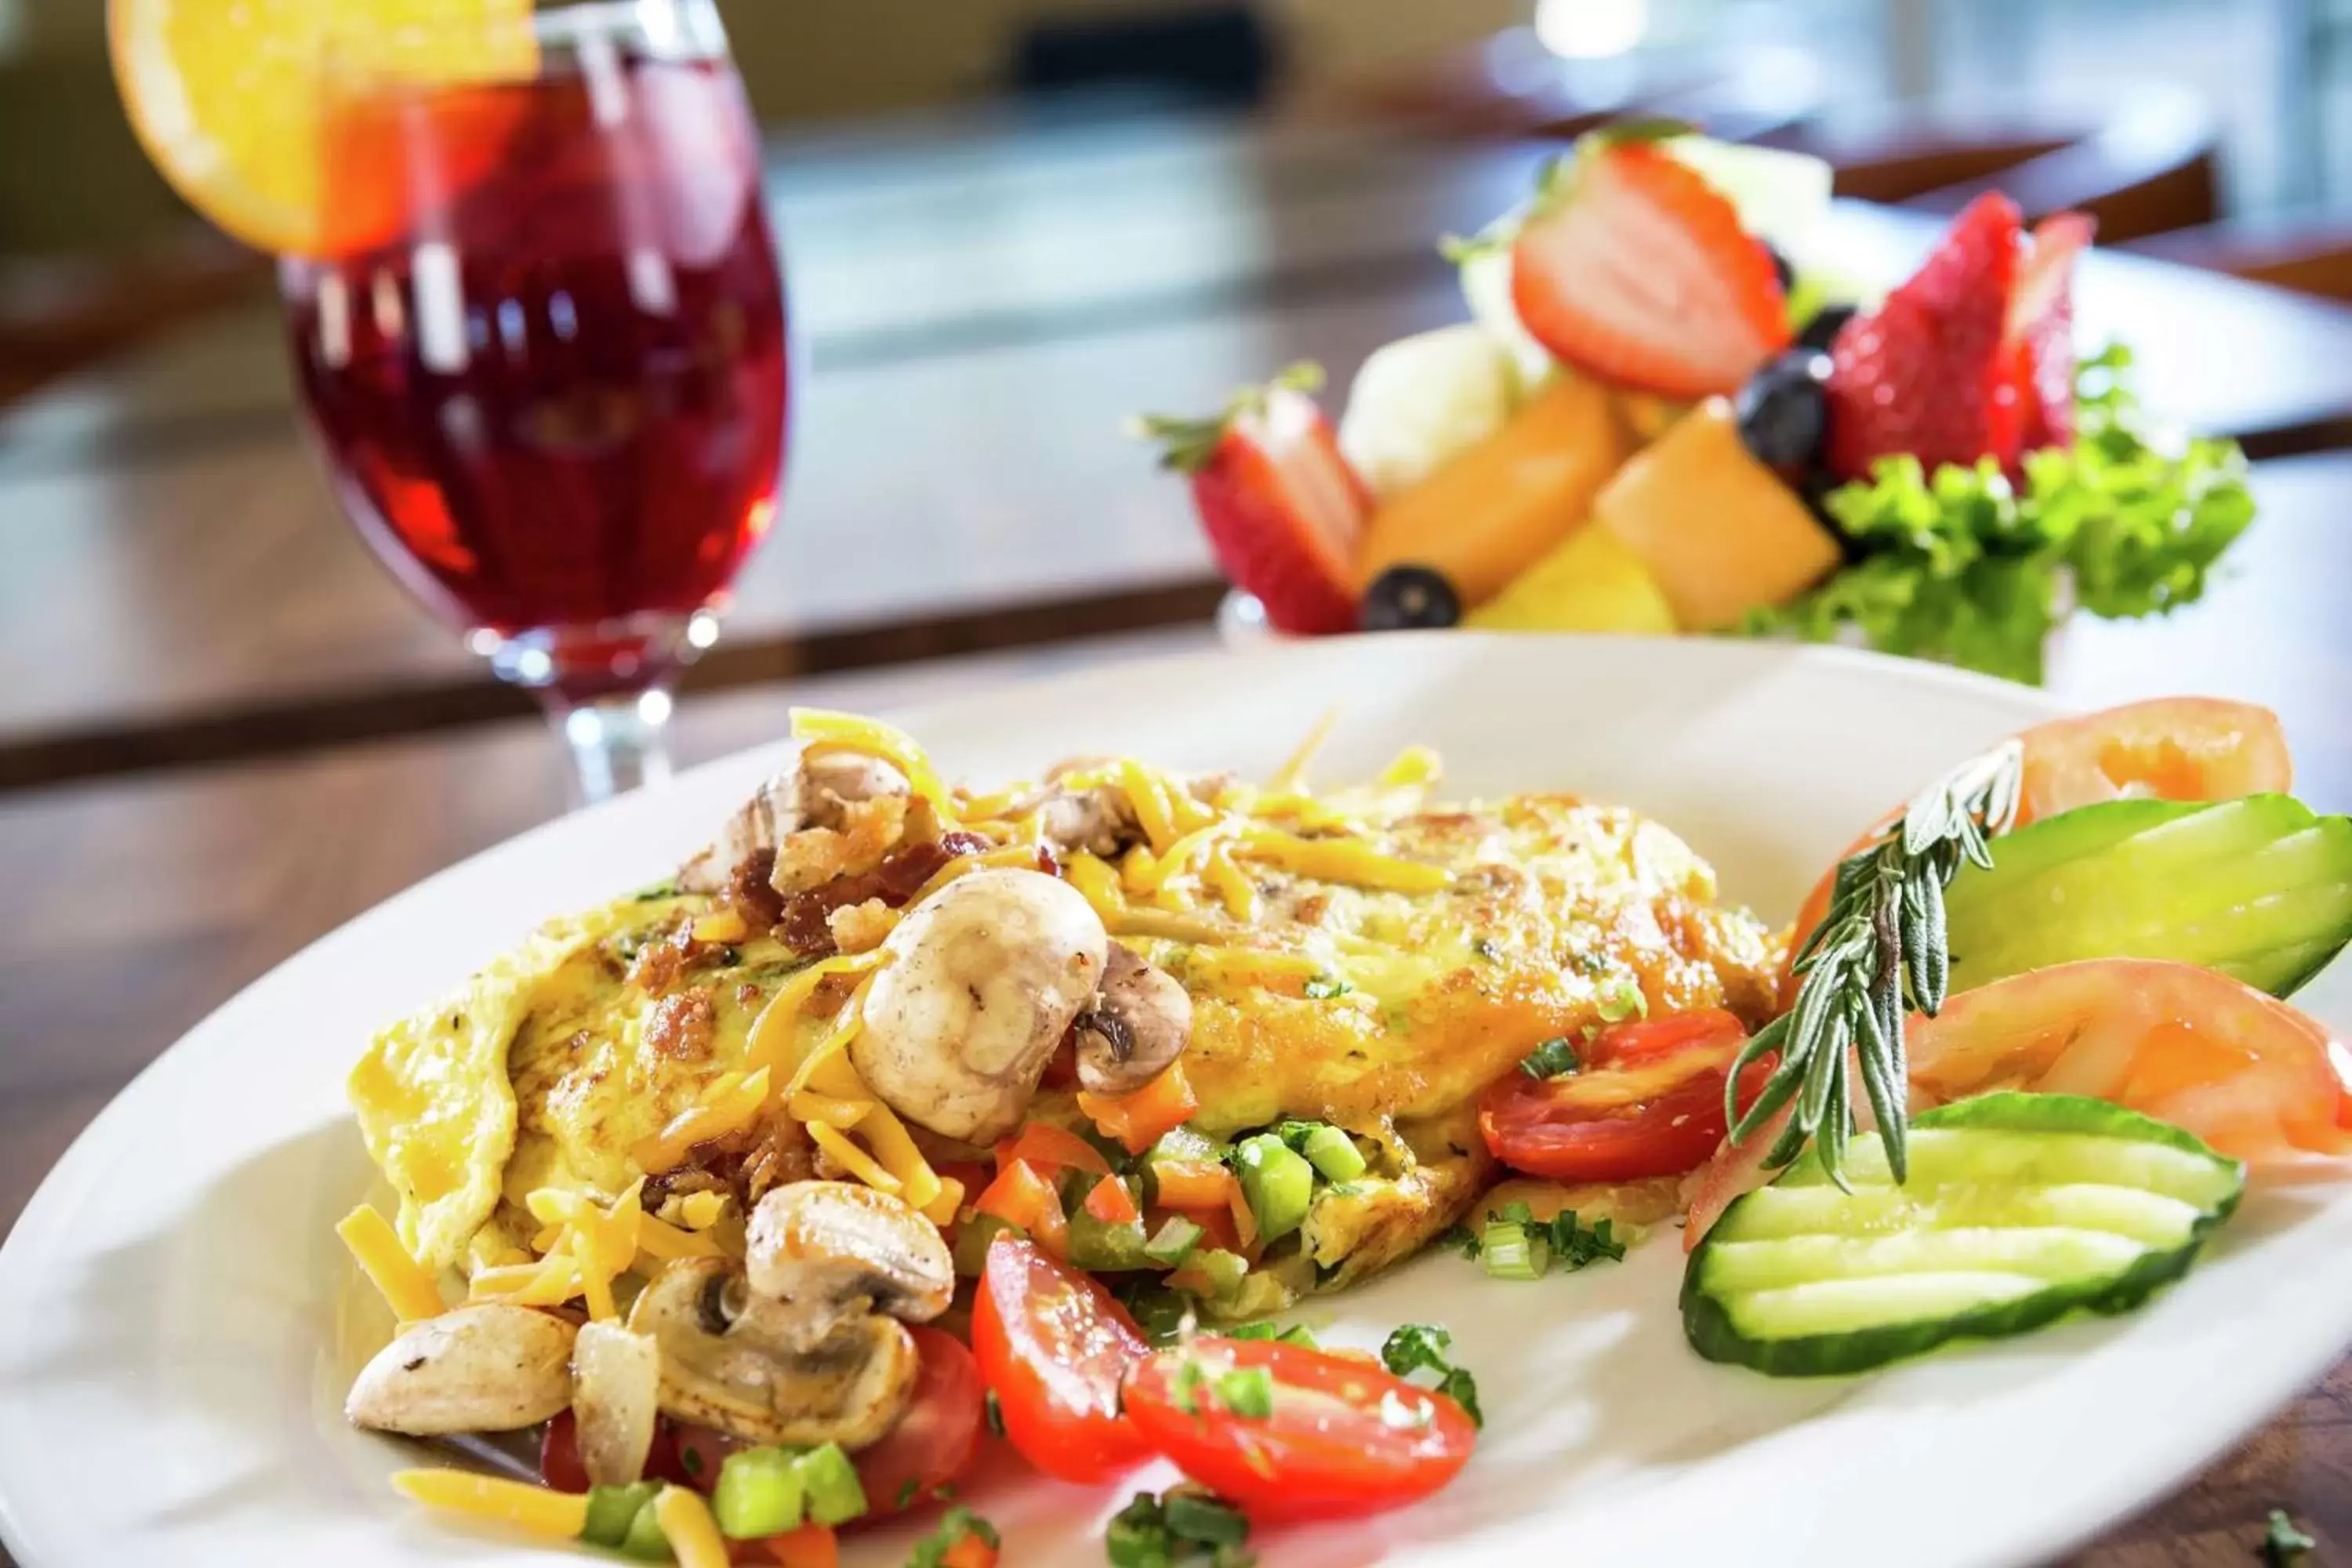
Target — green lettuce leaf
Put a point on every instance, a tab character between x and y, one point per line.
1962	566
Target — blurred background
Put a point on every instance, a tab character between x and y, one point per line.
2216	117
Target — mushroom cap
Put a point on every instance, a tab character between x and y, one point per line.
1141	1023
759	1369
980	983
844	1247
494	1367
616	1399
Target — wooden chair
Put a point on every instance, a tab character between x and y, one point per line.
2309	252
2147	167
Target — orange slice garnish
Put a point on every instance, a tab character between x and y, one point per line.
234	99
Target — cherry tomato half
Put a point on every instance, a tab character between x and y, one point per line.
1343	1438
1054	1347
1648	1102
934	1442
558	1456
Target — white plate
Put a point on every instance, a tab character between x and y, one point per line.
177	1321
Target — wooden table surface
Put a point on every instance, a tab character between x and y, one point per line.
980	310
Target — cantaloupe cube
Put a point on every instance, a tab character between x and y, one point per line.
1494	510
1591	583
1721	532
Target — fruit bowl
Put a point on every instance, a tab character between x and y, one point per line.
1669	413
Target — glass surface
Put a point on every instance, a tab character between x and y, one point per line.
548	370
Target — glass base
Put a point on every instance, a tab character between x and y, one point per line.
586	663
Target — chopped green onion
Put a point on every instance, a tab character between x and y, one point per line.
1512	1253
1174	1242
1196	1516
1550	1060
1323	987
830	1483
1247	1392
1278	1181
611	1509
1137	1536
1267	1329
1334	1154
1623	1000
646	1540
759	1493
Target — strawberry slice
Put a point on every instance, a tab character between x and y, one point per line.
2041	331
1283	510
1631	267
1927	373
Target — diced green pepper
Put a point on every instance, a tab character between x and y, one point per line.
1278	1183
1223	1270
1185	1144
1334	1154
1099	1247
830	1483
759	1493
971	1244
645	1539
1174	1243
609	1511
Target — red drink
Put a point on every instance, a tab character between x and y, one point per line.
550	373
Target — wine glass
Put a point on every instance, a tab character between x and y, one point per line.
546	361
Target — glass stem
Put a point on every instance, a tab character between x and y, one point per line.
618	743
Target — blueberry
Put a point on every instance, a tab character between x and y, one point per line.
1405	597
1783	412
1821	331
1781	268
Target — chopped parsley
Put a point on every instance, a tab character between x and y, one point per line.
1181	1529
2282	1543
1461	1238
1323	987
1550	1060
956	1526
1421	1347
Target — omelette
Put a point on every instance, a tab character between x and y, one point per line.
1368	959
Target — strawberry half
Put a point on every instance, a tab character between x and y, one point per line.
2041	331
1633	267
1927	373
1282	508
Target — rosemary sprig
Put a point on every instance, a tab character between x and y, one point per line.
1880	949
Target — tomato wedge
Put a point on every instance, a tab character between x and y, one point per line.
1343	1438
1647	1102
935	1440
1054	1347
2172	748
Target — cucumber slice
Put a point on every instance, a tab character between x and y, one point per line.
2019	1208
2260	888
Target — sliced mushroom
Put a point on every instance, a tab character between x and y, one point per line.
979	985
1138	1023
749	1365
1099	821
807	792
616	1400
837	1249
488	1368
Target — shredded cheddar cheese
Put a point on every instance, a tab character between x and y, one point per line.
1414	765
771	1039
1291	777
693	1534
557	1515
824	730
1237	893
406	1286
729	1103
1097	883
1343	862
702	1210
854	1160
722	926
